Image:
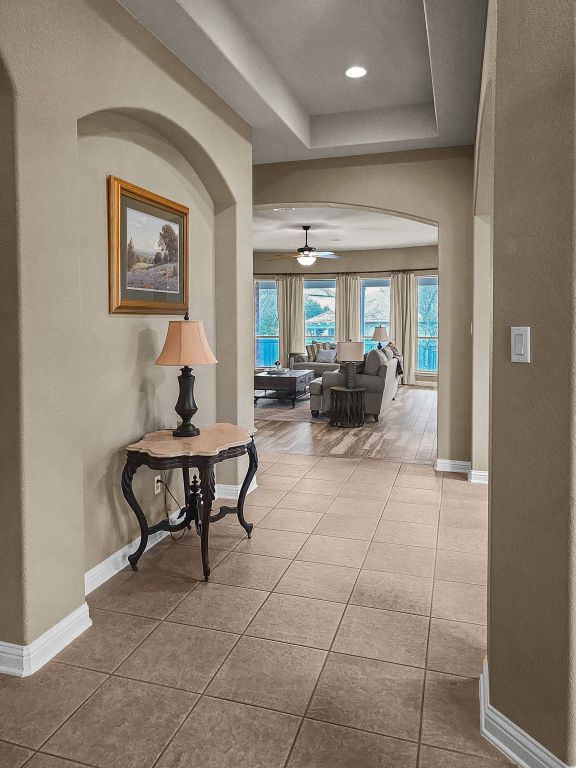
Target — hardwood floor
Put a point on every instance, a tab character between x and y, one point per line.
406	430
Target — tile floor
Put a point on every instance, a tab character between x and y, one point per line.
348	632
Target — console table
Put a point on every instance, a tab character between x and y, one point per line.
161	450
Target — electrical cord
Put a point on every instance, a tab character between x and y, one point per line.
166	488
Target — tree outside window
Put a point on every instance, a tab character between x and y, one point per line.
427	323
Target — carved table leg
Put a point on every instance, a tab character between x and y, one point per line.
127	475
252	467
186	479
239	509
208	490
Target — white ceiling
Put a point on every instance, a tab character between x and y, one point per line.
337	229
280	64
325	38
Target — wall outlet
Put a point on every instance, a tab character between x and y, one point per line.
157	484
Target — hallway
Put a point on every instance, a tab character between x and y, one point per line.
349	631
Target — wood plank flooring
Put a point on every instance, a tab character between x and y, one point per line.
406	430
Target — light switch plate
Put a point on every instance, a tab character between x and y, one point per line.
520	344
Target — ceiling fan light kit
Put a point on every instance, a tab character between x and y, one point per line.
306	260
307	254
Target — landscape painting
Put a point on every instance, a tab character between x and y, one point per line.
148	251
151	253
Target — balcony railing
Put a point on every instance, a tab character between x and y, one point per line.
267	351
427	355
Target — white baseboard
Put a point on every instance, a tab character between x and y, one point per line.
478	476
232	491
448	465
117	561
508	737
24	660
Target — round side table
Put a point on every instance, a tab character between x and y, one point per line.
347	407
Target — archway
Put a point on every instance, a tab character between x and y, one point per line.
376	243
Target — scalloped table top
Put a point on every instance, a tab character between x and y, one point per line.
210	442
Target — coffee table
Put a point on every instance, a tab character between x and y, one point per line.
283	386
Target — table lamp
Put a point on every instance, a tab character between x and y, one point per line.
186	345
350	353
380	335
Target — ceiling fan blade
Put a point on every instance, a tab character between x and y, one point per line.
328	255
283	257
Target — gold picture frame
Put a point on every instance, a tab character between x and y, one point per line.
147	251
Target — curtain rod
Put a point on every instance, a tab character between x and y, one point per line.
329	274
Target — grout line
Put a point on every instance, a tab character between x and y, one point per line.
428	642
328	651
331	646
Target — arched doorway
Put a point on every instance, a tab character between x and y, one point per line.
384	249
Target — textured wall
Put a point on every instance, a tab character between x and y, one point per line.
385	259
121	384
532	544
90	57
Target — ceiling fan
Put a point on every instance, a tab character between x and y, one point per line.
307	254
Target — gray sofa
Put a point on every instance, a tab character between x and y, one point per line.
299	361
381	389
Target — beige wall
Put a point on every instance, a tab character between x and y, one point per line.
481	335
376	260
10	409
87	383
120	381
532	547
431	185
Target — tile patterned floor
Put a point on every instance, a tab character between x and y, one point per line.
348	632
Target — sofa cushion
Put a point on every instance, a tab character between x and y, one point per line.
374	359
326	356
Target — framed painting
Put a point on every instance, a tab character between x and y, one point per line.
148	251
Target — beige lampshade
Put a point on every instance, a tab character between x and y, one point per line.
186	344
350	351
380	334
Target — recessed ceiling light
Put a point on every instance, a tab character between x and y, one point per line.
283	210
355	72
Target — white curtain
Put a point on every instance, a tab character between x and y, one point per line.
290	300
404	320
348	307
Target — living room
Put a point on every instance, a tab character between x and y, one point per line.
380	290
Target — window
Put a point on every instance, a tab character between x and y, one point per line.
375	307
320	310
427	324
267	348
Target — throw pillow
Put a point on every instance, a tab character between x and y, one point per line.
311	350
388	352
326	356
374	359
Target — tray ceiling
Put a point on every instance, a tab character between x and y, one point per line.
280	64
